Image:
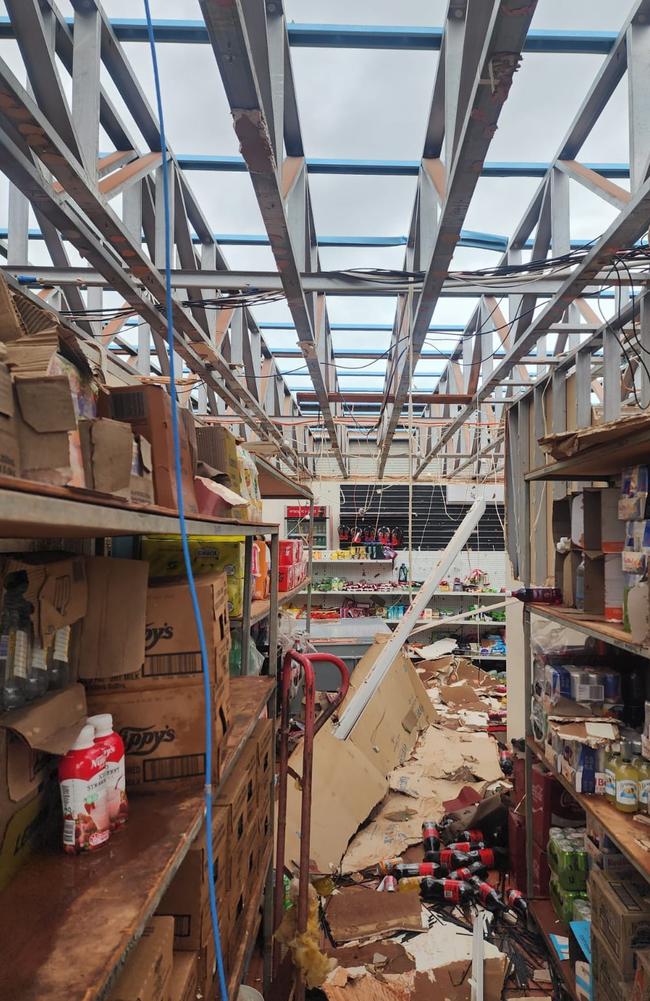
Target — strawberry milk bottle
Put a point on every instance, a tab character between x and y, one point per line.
82	777
113	745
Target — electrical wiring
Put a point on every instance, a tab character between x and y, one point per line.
182	524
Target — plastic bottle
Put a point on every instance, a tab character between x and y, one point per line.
468	871
451	891
58	674
627	782
82	777
36	682
113	746
466	846
472	835
642	766
580	584
488	897
402	574
610	774
402	870
15	641
430	837
515	901
541	595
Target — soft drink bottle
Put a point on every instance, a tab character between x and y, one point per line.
505	762
540	595
468	871
472	835
448	857
516	902
451	891
430	837
404	869
466	846
488	896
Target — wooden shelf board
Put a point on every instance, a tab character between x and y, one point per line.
38	510
548	924
69	922
601	461
260	609
619	826
590	626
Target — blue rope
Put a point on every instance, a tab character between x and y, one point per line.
181	519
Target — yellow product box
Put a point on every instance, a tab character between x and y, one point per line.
208	554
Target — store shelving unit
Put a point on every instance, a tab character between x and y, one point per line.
116	891
546	920
528	543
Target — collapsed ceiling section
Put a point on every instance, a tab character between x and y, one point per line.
328	365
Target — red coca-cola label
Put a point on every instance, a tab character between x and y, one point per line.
461	846
473	835
428	868
462	874
487	857
451	890
446	856
430	831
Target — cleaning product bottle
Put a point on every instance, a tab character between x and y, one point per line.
610	773
113	746
642	766
627	782
82	777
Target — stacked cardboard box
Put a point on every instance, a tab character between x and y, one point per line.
159	709
241	839
147	973
620	924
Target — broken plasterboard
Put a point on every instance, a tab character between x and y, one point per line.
444	953
449	755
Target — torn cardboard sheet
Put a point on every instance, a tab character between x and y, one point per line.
462	696
389	957
451	756
350	776
357	912
395	825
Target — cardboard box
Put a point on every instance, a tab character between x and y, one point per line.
116	461
186	900
209	555
606	971
217	447
111	636
286	578
146	975
148	410
609	860
566	569
264	736
171	651
584	985
45	418
163	729
29	792
578	520
9	456
184	981
553	806
620	909
57	589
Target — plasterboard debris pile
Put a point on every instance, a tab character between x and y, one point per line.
424	749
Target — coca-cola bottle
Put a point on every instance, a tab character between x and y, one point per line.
472	835
468	871
402	870
450	891
430	837
466	846
515	901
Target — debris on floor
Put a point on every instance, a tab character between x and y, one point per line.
399	911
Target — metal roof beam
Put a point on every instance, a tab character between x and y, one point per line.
478	109
250	47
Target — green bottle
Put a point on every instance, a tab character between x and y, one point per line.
627	782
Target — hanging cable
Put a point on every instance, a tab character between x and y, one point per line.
182	524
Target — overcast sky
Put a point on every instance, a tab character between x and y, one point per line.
374	105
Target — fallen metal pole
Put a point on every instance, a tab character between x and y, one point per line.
391	649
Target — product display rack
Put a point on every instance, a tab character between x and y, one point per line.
529	544
548	923
115	891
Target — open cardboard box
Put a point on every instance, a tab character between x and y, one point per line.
29	738
56	588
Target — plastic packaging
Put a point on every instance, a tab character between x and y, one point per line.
113	746
82	778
